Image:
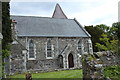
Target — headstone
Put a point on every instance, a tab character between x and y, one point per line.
28	76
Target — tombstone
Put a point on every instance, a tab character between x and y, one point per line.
28	76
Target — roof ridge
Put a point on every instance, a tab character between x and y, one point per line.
39	17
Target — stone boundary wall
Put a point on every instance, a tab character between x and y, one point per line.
108	58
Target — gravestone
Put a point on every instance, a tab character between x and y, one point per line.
28	76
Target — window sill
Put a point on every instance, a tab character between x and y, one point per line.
31	59
49	57
85	53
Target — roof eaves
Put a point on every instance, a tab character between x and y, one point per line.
48	36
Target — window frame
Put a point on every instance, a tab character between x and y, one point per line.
79	45
33	51
48	43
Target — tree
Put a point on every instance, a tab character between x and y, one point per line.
6	25
103	27
6	32
109	45
95	33
116	31
104	35
109	40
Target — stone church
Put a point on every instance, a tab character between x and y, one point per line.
47	43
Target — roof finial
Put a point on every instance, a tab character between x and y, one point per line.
58	13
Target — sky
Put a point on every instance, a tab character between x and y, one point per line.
87	12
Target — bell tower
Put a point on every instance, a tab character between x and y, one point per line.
58	12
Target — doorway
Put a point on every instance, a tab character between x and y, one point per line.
70	60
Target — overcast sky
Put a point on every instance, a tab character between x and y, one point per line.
87	12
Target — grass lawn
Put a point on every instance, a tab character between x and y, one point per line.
113	72
56	74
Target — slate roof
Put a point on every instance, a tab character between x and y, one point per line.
48	27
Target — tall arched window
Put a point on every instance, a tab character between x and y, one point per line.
79	45
49	49
86	47
31	49
90	46
60	58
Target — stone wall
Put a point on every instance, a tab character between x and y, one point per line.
94	64
108	58
58	45
61	46
17	59
92	68
42	65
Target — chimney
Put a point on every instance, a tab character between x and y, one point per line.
13	27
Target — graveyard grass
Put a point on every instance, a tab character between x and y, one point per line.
113	72
56	74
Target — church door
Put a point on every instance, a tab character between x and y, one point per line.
70	60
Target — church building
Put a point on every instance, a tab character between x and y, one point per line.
47	43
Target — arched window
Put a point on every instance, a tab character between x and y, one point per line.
60	58
86	47
79	45
49	49
31	49
90	46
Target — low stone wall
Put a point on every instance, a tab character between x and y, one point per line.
108	58
92	68
42	65
93	64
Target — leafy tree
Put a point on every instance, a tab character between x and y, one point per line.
104	37
109	45
110	39
103	27
6	26
116	31
6	31
95	33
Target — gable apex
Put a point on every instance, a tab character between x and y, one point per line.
58	12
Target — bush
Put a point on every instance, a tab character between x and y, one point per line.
112	72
